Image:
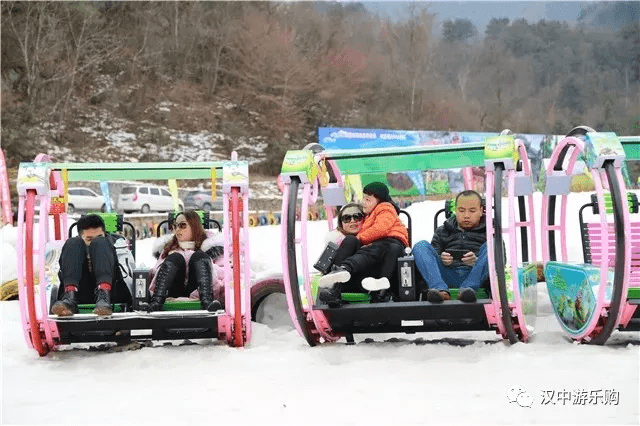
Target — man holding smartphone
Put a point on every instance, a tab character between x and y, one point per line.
457	255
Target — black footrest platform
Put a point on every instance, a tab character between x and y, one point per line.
407	317
137	326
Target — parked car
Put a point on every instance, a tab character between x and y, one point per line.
201	200
85	199
146	198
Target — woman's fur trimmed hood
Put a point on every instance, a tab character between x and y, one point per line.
213	239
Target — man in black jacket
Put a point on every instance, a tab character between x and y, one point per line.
457	255
88	270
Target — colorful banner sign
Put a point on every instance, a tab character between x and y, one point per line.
333	138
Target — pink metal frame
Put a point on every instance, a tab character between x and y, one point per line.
576	147
284	217
310	193
5	195
322	326
34	318
236	325
494	309
328	209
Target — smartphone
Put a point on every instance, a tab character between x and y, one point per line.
457	253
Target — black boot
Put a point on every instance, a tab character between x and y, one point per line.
331	295
467	295
103	303
164	278
202	270
66	306
381	296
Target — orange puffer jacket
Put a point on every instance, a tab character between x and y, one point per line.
383	222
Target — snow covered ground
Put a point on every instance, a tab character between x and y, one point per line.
425	378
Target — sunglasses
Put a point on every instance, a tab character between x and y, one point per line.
346	218
180	225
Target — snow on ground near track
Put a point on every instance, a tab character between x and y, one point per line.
424	378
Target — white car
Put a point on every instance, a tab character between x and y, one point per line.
146	198
85	199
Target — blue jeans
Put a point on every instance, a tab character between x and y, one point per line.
440	277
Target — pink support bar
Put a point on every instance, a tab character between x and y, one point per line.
285	259
513	258
5	195
495	313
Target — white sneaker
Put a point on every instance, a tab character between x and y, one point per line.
338	276
375	284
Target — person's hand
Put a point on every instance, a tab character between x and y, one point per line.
469	259
446	258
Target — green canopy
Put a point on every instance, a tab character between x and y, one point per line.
383	160
138	171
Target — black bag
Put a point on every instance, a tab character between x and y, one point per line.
326	258
122	286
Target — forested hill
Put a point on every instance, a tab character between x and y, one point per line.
268	74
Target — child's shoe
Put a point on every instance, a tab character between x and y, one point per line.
339	274
375	284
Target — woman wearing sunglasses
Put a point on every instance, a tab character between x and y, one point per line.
350	220
184	269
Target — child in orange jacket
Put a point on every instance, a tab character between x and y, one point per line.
383	237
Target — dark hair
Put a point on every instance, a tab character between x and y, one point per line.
90	221
346	206
197	231
469	193
381	192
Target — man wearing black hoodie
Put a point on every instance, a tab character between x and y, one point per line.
457	255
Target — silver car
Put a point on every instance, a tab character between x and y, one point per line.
146	198
85	199
201	200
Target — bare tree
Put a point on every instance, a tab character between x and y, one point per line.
419	51
89	42
218	37
463	80
37	31
59	42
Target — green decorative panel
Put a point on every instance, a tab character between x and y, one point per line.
300	163
384	160
631	146
138	171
